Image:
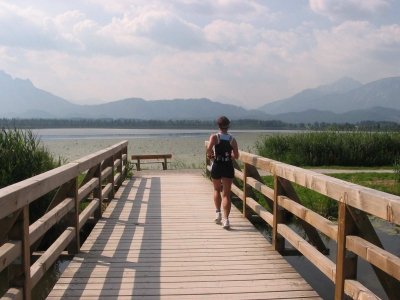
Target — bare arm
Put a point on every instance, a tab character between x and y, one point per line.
211	144
235	150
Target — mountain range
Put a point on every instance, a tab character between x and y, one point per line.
342	96
346	100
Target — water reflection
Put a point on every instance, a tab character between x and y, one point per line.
45	284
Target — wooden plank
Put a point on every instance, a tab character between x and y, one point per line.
346	265
9	252
87	188
357	291
278	241
19	272
325	226
14	294
151	156
261	211
106	190
317	258
88	211
50	255
378	257
41	226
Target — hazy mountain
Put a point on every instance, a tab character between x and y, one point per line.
226	100
136	108
311	116
308	98
18	96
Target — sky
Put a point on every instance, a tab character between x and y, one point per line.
252	51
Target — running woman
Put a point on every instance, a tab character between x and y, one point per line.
222	149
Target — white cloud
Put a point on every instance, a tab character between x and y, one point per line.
349	9
193	48
244	10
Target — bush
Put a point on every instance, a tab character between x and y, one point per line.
332	148
22	156
396	167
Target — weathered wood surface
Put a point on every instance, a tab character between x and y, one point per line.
157	240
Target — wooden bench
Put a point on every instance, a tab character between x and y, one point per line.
151	159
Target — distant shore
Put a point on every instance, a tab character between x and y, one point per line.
187	152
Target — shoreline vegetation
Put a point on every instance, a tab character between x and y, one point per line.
193	124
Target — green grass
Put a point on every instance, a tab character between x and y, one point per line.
332	148
385	182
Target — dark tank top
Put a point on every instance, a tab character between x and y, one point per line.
223	149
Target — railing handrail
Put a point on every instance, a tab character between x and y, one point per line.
355	202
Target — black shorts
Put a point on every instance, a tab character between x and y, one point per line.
222	169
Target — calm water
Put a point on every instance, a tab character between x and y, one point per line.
123	134
187	147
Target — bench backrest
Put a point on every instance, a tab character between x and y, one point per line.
151	156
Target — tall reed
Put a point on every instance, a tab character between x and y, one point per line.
332	148
22	156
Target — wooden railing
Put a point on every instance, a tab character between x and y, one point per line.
354	234
18	239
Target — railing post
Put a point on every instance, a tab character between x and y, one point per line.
208	174
346	261
110	178
19	271
246	187
73	218
119	169
125	151
98	193
278	242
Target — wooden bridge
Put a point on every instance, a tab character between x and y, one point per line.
157	239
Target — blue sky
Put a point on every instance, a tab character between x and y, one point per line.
94	51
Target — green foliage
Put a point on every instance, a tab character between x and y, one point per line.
21	157
396	167
384	182
332	148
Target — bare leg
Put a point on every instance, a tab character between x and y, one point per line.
217	193
226	195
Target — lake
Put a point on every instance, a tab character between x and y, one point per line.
186	146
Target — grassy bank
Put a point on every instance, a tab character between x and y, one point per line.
332	148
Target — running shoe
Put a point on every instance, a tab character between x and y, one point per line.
225	224
218	218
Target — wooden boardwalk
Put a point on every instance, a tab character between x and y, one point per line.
157	240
